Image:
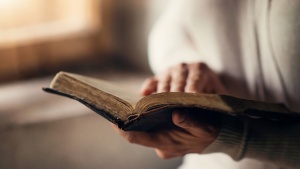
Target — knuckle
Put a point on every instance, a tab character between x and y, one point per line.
179	70
183	73
200	66
181	66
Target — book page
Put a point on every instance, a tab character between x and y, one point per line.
123	92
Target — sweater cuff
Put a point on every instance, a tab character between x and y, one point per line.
232	138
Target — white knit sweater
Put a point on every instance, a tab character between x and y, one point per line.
254	45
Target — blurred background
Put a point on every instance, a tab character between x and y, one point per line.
101	38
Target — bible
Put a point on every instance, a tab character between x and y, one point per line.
131	111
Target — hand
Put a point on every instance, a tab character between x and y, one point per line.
191	78
191	136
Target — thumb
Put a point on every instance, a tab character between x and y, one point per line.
183	119
196	125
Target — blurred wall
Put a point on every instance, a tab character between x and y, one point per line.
133	22
105	31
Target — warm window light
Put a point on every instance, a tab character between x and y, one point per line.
7	3
38	35
32	20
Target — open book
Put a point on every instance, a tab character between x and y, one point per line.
130	111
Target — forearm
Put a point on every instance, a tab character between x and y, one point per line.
275	142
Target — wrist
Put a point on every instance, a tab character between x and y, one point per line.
231	138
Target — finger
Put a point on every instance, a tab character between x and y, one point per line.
149	86
178	76
197	78
184	120
205	125
163	84
143	138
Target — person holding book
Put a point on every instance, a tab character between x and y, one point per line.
248	49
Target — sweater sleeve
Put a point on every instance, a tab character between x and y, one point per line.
169	41
277	142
